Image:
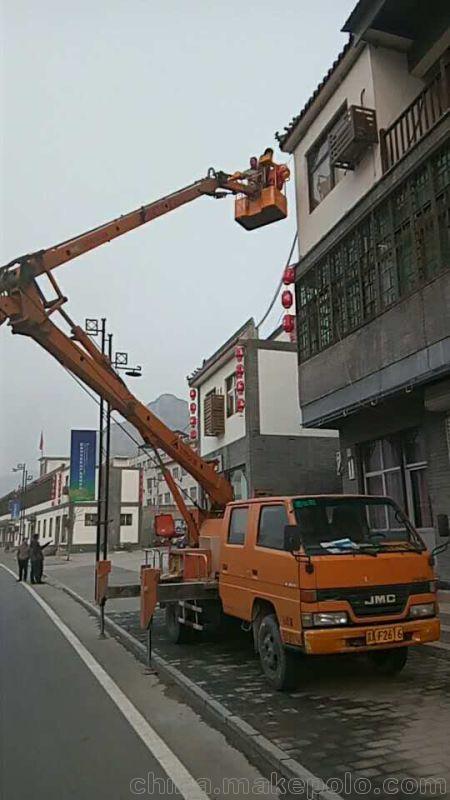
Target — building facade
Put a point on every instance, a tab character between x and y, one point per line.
250	423
155	494
48	512
372	161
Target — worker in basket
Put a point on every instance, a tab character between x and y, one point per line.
273	174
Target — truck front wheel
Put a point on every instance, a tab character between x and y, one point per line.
279	665
389	662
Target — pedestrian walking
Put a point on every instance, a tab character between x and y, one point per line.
37	559
23	556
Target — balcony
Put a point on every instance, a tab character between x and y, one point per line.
416	120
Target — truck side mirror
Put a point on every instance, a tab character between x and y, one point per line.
292	538
443	525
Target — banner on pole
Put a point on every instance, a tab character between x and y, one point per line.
83	445
14	508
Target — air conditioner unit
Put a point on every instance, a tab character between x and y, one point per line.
351	137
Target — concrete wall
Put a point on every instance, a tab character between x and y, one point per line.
312	225
378	79
294	465
403	345
279	410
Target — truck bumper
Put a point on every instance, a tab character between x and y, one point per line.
350	640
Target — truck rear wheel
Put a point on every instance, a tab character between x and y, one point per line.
176	631
389	662
280	667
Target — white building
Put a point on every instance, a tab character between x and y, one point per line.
250	421
48	512
156	496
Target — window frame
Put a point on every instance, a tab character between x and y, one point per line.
230	396
322	139
126	520
261	511
246	508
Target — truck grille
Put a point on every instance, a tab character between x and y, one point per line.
371	601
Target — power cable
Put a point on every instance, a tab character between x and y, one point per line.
279	285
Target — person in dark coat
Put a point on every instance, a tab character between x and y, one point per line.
37	559
23	555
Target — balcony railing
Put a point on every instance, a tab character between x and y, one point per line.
416	121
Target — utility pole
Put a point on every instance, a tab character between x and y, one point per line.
22	467
107	460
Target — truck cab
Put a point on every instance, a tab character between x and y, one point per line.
326	574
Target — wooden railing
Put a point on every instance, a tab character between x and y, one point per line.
415	121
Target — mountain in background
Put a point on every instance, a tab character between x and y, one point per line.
173	411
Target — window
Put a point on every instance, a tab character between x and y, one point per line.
176	473
238	525
193	493
126	519
167	499
160	499
398	246
50	527
44	530
39	528
231	395
90	520
322	177
57	528
397	467
272	520
238	480
64	527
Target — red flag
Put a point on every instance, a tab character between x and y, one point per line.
41	442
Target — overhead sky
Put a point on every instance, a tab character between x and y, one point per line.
108	105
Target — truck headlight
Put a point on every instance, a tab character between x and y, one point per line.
422	610
328	618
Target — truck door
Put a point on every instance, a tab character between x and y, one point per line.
275	573
233	584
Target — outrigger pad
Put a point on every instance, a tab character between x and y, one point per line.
149	594
102	570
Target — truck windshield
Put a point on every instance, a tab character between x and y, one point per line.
341	525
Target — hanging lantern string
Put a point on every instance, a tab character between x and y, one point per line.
274	299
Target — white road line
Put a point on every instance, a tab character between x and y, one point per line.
178	774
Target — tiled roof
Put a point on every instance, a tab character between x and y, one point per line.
283	137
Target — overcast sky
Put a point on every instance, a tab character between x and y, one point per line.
108	104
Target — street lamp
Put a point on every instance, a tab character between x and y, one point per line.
94	327
26	478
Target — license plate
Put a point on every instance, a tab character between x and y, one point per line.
384	635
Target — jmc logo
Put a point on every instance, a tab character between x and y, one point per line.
380	600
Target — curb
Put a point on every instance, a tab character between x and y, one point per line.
268	757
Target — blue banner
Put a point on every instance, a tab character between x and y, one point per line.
14	507
83	447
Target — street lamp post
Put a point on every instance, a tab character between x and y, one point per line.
26	477
119	362
93	329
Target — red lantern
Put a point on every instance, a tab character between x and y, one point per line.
287	299
289	276
240	370
193	394
193	408
193	434
240	405
239	353
193	422
288	323
240	387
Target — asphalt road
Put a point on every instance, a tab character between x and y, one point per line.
62	734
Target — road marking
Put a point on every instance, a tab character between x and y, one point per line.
175	770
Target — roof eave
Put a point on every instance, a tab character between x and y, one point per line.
338	75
